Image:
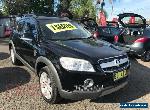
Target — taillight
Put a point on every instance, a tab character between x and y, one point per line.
116	38
142	40
96	34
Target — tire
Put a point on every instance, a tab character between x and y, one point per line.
146	56
48	86
14	60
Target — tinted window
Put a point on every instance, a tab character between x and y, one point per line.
104	30
80	32
132	21
29	30
146	33
20	26
115	31
109	31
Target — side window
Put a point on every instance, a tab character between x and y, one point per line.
20	26
29	30
26	28
33	28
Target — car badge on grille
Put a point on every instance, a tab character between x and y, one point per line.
117	62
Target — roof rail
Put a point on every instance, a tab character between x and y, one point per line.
29	15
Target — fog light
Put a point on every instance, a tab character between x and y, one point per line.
88	83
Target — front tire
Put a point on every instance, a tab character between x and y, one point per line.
146	56
14	59
48	86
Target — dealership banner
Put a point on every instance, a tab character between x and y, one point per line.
102	20
132	20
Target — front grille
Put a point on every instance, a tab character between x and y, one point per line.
114	64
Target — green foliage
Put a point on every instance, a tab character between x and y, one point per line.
28	6
16	6
5	11
65	4
77	7
81	7
42	6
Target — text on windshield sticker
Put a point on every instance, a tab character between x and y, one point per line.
59	27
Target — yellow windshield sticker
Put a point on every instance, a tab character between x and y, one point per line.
59	27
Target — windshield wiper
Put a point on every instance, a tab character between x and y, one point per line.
75	38
91	37
79	38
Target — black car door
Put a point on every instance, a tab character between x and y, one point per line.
29	44
17	35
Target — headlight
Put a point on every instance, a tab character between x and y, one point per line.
74	64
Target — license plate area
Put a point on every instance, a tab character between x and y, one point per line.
119	75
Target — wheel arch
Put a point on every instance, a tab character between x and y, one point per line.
42	62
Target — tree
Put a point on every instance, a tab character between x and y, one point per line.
65	3
16	6
28	6
81	7
42	6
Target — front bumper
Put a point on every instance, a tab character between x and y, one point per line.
76	95
74	85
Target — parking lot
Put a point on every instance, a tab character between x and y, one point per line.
19	88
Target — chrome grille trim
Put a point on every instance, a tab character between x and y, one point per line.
124	55
112	63
108	65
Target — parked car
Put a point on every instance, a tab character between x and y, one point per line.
69	62
130	37
5	26
133	22
110	34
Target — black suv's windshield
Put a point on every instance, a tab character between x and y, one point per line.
78	33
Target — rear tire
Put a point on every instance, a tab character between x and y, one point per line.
14	59
48	86
146	56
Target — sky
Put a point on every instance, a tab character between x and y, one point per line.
141	7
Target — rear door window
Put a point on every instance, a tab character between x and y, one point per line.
20	26
146	33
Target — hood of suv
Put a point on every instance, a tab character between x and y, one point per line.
91	48
138	20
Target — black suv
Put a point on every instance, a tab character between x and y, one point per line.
69	62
